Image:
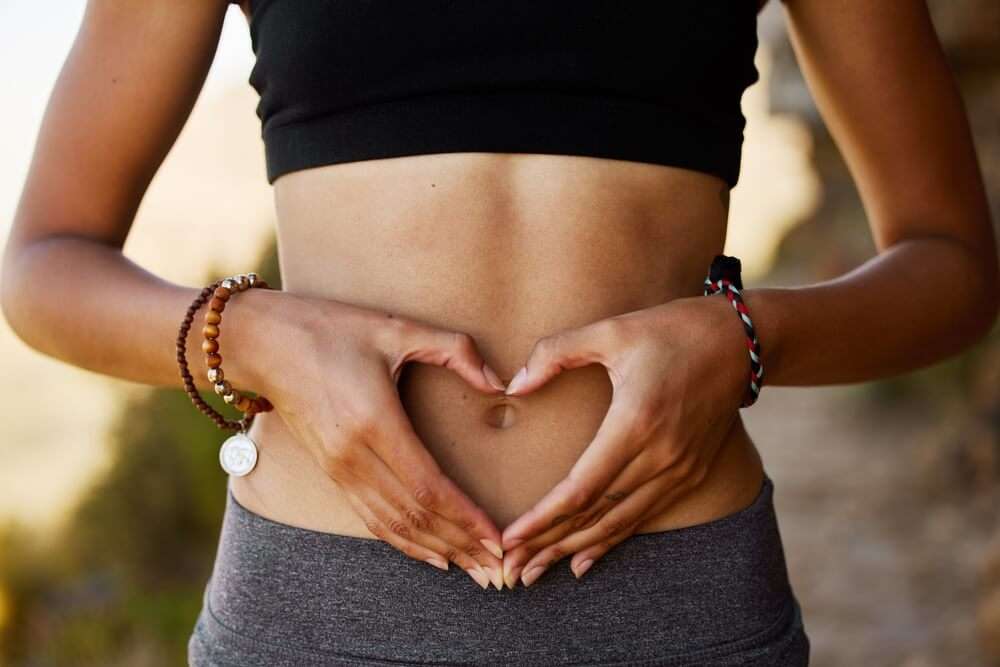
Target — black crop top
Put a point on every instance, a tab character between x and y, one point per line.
645	80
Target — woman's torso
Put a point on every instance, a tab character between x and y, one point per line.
509	248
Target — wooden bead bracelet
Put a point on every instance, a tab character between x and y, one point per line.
238	454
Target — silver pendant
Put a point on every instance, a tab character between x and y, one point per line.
238	454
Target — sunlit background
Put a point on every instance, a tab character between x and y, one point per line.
886	491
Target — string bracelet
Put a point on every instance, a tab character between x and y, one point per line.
724	276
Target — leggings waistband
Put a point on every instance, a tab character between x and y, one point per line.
309	597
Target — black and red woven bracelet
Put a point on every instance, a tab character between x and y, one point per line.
724	276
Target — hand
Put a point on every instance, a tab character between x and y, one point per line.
678	372
331	372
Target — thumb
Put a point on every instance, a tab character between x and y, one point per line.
455	350
553	354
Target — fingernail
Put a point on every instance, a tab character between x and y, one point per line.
584	566
438	562
492	377
480	576
507	578
492	547
496	576
529	577
516	381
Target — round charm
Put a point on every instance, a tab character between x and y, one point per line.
238	454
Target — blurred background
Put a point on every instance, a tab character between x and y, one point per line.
887	492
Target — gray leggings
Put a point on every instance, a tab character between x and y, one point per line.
712	594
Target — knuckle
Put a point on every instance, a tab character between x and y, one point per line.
374	527
363	422
681	465
701	471
426	495
613	527
666	457
452	554
612	330
585	520
686	466
644	418
578	494
419	519
399	527
606	545
472	549
337	458
463	344
546	346
556	553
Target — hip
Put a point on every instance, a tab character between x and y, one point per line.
715	593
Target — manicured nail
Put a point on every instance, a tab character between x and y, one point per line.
516	381
492	547
584	566
529	577
492	377
438	562
480	576
507	579
496	576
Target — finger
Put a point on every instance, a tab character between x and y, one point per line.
617	524
400	448
680	478
377	528
454	350
686	468
613	447
396	523
551	355
640	470
677	479
593	552
402	514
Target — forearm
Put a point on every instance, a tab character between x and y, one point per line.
918	302
84	303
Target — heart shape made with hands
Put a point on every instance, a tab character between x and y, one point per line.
674	399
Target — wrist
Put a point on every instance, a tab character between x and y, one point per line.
251	327
725	334
763	305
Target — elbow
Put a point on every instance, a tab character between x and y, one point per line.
16	293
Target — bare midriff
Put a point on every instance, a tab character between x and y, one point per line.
508	248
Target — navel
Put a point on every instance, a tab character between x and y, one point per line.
500	415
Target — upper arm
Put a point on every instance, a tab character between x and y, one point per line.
880	80
121	98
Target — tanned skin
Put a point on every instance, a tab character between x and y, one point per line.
586	272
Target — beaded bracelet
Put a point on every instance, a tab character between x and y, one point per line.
238	454
724	275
